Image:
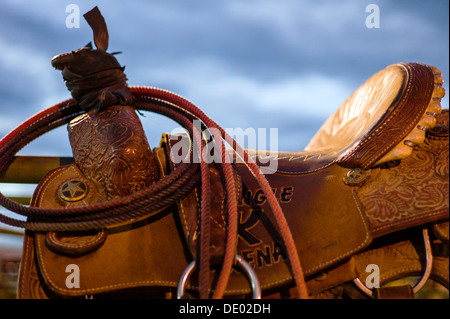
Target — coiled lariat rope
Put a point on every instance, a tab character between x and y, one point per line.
155	197
98	215
96	81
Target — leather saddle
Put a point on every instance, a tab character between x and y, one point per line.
371	179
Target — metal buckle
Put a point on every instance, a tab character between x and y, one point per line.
245	266
425	276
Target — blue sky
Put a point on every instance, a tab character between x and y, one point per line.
285	64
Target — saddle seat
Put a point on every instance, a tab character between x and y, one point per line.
344	190
382	121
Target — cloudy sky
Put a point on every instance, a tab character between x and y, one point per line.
285	64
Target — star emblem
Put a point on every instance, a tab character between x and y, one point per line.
73	191
355	177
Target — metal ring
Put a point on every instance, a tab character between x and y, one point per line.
425	276
254	282
248	270
420	127
409	143
429	263
431	113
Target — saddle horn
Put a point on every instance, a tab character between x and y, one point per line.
94	77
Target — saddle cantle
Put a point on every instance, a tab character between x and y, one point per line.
380	122
378	166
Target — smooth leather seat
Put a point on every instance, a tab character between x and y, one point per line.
372	125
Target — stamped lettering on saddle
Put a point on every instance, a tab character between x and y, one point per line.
370	184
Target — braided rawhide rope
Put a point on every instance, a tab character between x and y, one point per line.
96	81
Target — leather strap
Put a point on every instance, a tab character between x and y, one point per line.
98	25
396	292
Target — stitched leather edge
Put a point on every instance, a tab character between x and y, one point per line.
404	115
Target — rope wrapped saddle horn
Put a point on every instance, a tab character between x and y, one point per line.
96	81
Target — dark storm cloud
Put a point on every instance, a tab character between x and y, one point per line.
287	64
270	39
